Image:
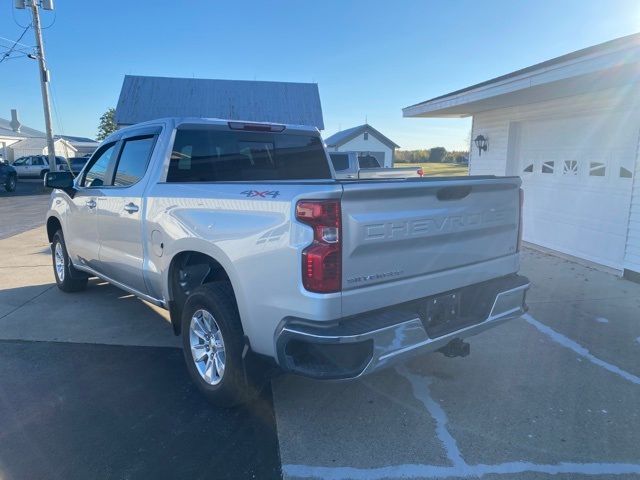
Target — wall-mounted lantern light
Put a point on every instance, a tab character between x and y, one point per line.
481	143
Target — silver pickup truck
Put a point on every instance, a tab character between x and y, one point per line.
243	233
351	165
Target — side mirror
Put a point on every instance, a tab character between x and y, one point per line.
60	180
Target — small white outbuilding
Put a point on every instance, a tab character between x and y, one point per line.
570	128
365	140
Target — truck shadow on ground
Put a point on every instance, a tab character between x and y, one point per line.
100	314
104	411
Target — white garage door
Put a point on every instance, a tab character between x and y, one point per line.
577	176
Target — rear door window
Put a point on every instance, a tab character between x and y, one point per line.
204	154
134	158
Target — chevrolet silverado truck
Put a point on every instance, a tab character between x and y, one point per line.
350	165
243	233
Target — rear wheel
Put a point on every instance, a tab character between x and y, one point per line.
68	278
10	183
212	342
43	173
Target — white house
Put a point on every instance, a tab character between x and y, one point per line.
82	145
12	131
570	128
17	140
38	146
363	139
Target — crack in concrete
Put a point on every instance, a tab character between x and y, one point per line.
460	468
26	302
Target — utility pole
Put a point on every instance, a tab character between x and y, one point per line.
44	73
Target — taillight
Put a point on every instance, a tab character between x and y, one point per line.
322	260
420	172
520	221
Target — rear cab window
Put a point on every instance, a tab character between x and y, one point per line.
368	161
203	153
340	161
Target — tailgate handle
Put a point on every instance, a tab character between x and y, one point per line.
454	193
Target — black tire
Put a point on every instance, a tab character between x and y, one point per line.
234	388
70	280
43	173
10	183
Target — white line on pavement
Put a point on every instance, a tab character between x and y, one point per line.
420	386
579	349
459	468
476	471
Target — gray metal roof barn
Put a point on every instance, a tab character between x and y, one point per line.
145	98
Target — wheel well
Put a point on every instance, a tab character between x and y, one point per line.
189	270
53	225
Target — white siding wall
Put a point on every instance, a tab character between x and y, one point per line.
632	253
4	147
494	124
359	144
498	159
62	149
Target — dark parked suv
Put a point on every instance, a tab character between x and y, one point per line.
8	176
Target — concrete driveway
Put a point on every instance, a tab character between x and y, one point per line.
93	385
23	209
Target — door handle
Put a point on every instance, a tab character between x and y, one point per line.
91	203
131	207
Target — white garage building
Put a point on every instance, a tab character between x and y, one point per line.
570	127
38	146
365	140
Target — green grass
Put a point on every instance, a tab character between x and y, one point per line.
438	169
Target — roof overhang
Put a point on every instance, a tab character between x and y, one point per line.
578	74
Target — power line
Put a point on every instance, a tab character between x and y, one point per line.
11	41
53	22
15	57
8	53
13	15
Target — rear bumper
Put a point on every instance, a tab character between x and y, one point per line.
365	343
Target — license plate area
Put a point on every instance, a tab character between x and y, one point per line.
442	314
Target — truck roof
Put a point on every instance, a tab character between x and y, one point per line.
173	122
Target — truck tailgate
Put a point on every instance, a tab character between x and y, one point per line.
422	230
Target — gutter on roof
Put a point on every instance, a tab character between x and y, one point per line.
621	43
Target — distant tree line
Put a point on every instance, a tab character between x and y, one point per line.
432	155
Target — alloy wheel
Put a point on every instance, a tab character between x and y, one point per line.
59	261
207	347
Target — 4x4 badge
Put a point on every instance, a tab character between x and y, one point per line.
256	193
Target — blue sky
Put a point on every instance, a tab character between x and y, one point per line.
370	58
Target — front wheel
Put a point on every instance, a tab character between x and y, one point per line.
68	278
10	184
212	343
